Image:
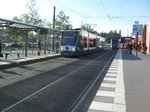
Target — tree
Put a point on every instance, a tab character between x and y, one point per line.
13	33
85	27
62	21
32	15
110	35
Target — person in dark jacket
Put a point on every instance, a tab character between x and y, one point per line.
1	55
0	48
144	49
130	47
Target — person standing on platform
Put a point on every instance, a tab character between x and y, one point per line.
1	55
0	48
130	47
144	49
39	46
126	46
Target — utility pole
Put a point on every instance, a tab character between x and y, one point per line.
53	28
26	33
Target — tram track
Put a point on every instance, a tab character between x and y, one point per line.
61	79
87	90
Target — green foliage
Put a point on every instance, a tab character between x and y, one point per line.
111	35
13	33
85	27
32	16
62	21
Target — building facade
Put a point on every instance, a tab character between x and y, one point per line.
147	29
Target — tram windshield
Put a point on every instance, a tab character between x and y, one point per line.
69	38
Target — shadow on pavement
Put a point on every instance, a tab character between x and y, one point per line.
128	56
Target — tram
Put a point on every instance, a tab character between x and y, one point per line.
114	44
77	42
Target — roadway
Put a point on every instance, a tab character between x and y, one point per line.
55	85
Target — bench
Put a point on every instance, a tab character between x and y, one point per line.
6	55
49	50
18	54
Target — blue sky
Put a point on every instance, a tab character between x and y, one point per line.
102	15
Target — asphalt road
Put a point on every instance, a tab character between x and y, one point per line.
50	86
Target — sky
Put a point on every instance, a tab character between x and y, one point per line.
101	15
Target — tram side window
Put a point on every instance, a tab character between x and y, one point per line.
92	43
80	42
85	42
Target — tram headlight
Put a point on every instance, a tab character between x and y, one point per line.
61	48
73	49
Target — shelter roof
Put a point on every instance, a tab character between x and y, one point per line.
25	26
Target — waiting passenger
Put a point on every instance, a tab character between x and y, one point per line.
144	49
126	46
130	47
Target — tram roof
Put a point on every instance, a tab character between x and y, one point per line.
72	30
25	26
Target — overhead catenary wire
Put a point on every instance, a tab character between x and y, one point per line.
101	14
118	17
107	15
73	11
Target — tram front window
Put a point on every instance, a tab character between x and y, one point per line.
69	38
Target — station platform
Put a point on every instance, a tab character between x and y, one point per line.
126	86
14	60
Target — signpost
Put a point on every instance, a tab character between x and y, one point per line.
137	30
